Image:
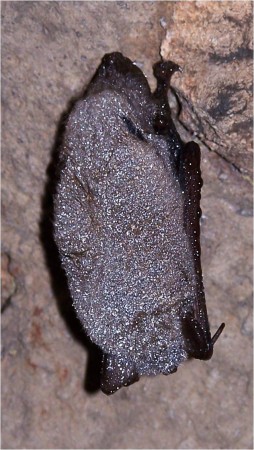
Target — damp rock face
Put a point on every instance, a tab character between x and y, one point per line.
127	225
216	103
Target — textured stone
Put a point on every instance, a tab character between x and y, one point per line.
213	43
50	50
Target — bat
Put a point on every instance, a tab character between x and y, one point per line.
126	223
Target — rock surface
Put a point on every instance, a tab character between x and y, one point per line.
49	370
213	44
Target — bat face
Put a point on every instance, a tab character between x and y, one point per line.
127	226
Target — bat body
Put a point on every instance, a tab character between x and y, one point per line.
127	212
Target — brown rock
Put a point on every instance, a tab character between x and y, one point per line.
213	43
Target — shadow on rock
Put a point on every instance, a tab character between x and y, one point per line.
58	278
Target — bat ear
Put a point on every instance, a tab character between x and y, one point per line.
218	333
116	373
197	340
199	343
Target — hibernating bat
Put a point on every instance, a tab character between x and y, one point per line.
127	212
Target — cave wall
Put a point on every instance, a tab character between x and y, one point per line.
50	51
